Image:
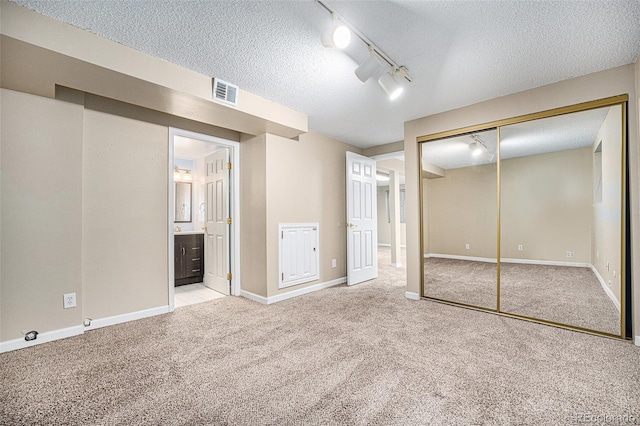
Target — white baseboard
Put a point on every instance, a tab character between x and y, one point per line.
45	337
389	245
606	288
132	316
507	260
254	297
411	295
396	265
291	294
637	341
456	257
545	262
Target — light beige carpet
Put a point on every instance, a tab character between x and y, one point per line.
344	355
562	294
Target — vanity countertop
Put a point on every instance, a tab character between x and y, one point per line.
188	232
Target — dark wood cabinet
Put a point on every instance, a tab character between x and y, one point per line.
189	258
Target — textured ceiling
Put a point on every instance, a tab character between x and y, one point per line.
458	52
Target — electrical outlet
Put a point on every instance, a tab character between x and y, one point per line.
519	247
570	254
609	282
467	246
333	263
69	300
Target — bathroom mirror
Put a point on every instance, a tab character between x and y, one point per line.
561	219
183	202
459	193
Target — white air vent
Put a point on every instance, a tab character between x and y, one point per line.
225	92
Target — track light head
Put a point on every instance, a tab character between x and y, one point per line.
337	36
476	149
368	68
389	84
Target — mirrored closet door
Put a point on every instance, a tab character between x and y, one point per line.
460	219
543	192
561	200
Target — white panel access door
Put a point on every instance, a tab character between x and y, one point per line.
216	231
362	232
299	253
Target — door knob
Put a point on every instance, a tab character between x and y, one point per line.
204	228
352	225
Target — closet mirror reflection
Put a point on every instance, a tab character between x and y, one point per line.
546	194
459	207
561	219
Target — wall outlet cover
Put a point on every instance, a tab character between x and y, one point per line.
69	300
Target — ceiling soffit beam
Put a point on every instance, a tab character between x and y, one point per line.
36	70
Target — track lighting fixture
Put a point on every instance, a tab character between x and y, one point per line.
475	148
389	84
479	149
369	67
337	36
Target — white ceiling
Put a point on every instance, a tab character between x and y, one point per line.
560	133
458	52
192	149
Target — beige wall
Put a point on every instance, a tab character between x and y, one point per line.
384	227
599	85
40	228
607	214
253	214
462	210
124	215
536	211
306	184
546	205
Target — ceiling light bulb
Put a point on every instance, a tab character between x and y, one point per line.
187	175
337	36
369	67
389	84
475	149
341	37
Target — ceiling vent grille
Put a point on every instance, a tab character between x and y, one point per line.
225	92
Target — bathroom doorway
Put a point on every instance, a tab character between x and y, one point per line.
204	227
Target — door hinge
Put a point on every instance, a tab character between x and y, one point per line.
228	166
282	235
229	221
229	276
283	276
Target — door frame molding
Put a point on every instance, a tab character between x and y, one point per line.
234	208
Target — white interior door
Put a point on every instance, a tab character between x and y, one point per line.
362	232
216	231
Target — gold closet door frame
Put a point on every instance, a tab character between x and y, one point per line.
621	100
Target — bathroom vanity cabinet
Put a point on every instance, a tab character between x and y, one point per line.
189	258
